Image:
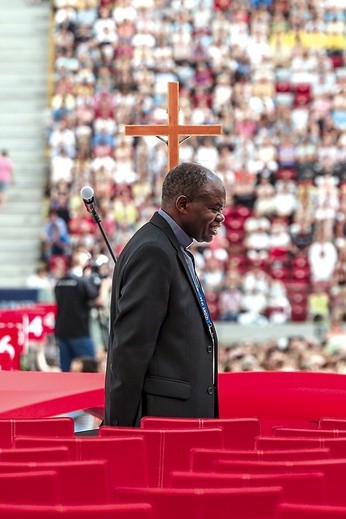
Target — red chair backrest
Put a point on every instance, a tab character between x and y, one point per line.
334	470
79	482
29	488
239	433
10	428
168	450
296	432
297	487
170	503
203	459
123	454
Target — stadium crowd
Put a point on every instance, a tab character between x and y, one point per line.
273	74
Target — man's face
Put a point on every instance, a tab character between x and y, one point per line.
203	216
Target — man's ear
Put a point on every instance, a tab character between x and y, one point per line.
181	203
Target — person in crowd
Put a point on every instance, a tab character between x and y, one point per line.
55	239
75	293
6	175
230	300
42	280
162	355
322	256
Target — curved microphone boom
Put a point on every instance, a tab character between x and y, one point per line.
87	193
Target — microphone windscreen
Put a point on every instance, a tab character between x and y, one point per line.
87	193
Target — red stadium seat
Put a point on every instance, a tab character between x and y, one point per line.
301	274
283	86
298	298
202	503
39	487
203	459
286	173
337	446
93	477
300	261
235	236
238	433
109	511
338	424
332	468
299	312
296	511
297	487
10	428
296	432
302	94
281	273
243	211
35	454
169	450
122	453
235	223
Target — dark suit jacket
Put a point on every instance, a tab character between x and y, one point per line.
160	359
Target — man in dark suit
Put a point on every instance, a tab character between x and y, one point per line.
162	355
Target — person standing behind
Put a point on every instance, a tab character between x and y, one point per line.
6	176
162	355
75	294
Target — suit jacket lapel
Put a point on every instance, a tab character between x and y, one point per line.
164	225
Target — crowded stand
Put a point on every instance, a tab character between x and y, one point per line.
273	74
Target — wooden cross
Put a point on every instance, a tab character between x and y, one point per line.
173	129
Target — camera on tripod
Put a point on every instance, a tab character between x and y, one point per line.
99	268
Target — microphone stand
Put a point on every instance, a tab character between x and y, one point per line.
97	219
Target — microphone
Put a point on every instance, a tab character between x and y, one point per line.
87	193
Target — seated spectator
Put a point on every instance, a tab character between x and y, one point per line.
82	227
279	307
256	221
287	152
61	167
264	204
61	138
336	335
244	187
102	143
124	173
42	280
257	243
322	256
230	300
256	279
55	238
280	240
254	305
124	211
327	200
284	202
213	274
302	235
60	200
207	154
318	303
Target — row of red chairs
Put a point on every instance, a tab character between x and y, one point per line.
192	468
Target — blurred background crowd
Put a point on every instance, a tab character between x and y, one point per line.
273	74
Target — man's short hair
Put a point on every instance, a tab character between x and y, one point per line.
186	179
